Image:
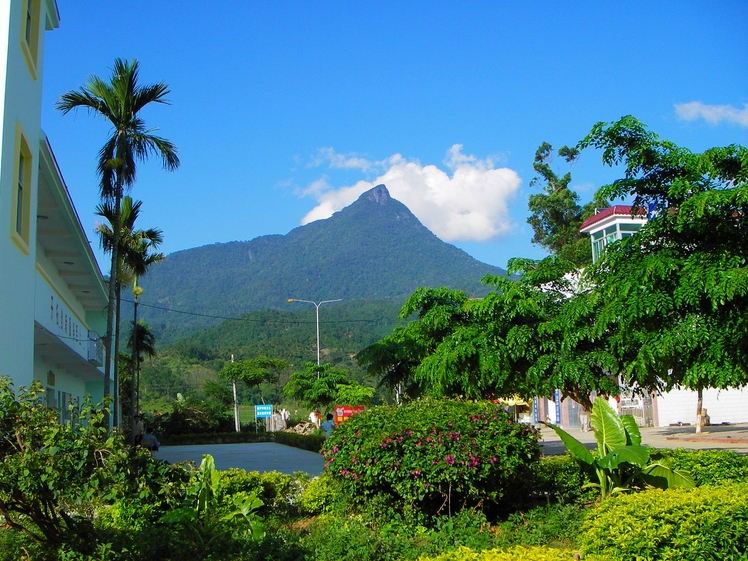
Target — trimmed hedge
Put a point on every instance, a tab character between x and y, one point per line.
697	524
512	554
311	442
709	467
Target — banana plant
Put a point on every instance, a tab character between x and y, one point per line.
620	462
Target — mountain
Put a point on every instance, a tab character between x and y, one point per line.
374	249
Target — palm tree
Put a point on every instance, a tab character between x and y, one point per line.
135	257
120	101
142	341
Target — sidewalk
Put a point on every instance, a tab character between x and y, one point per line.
719	437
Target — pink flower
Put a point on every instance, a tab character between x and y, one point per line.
449	460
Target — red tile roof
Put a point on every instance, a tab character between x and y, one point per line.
615	210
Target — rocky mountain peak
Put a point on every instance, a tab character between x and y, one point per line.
378	194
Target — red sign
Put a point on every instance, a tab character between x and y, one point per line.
342	412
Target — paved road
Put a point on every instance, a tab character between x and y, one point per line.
269	456
262	457
722	437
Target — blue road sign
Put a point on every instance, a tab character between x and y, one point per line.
263	411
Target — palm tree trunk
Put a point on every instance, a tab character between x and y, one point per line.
116	405
135	364
110	335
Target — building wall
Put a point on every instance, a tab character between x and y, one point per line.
723	406
21	117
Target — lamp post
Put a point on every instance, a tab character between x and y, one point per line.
316	305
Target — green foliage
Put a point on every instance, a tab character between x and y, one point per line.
277	491
435	457
554	524
311	442
684	524
317	385
560	479
50	472
709	467
555	214
620	462
670	302
354	394
519	339
209	515
319	495
536	553
254	371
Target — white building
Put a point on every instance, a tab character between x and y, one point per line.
676	406
52	295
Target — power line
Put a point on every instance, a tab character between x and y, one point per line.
248	320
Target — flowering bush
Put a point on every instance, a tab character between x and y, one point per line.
438	456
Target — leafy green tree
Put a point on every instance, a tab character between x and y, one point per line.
556	214
120	101
49	471
671	302
254	371
522	338
354	394
316	385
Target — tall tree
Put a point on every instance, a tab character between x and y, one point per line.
120	101
135	258
672	301
316	385
556	214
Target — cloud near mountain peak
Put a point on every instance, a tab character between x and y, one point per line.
469	204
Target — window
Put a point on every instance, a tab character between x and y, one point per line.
21	213
30	33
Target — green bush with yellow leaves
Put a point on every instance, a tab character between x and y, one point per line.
518	553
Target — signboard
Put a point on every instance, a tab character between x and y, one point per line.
263	411
342	412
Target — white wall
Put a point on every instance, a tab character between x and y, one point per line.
679	406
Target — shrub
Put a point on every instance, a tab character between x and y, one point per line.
318	496
551	525
518	553
439	456
709	467
684	524
560	479
311	442
278	491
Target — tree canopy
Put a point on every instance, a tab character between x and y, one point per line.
664	308
671	302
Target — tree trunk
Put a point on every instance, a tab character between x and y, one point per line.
135	361
116	404
113	276
699	409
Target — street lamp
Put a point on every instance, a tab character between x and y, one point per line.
316	305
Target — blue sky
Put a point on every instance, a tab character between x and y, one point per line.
285	111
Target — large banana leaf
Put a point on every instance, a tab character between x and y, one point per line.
634	455
632	430
574	447
608	428
663	476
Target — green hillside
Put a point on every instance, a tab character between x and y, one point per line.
374	249
345	328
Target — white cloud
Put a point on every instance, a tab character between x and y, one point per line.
712	114
471	204
341	161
